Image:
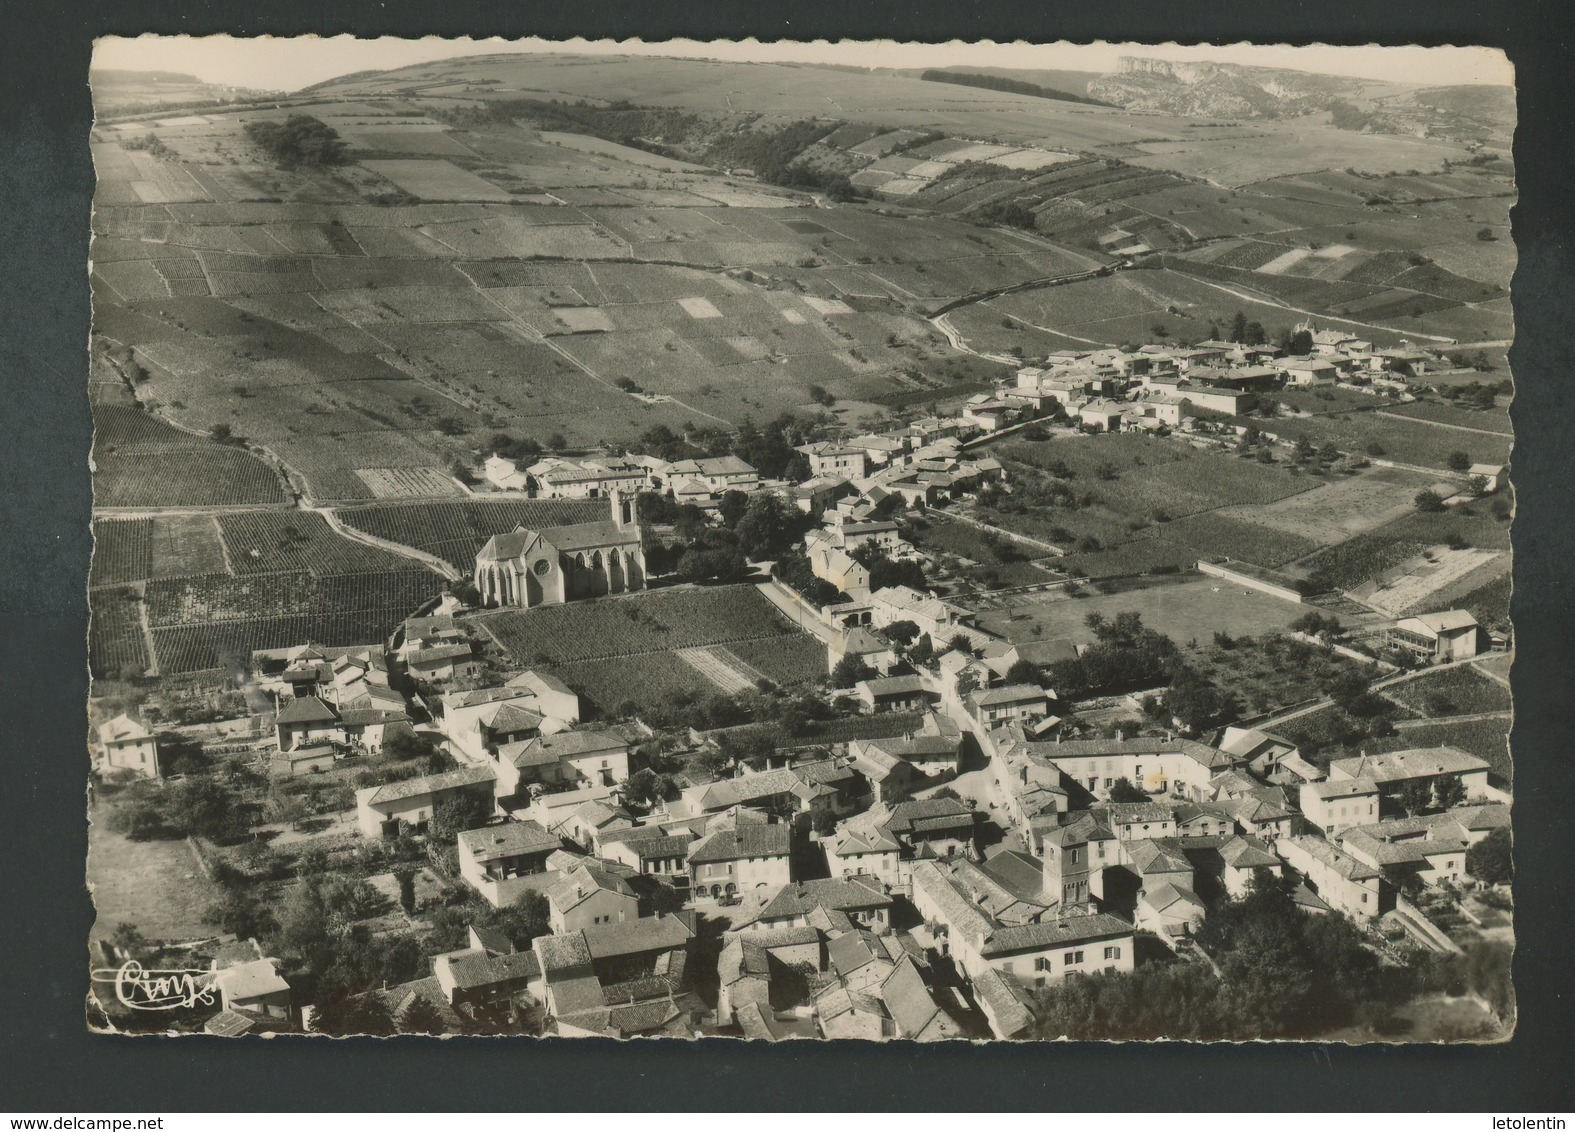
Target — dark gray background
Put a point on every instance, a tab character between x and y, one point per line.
51	1064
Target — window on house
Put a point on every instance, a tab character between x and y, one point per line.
1072	856
1112	953
1364	898
1067	960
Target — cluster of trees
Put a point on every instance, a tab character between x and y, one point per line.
1283	974
768	448
299	142
1126	656
1012	86
772	156
199	805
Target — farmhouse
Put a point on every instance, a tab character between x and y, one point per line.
596	478
126	744
1034	953
1313	370
893	693
310	721
830	459
743	859
502	862
1339	804
380	809
528	568
588	894
1392	770
849	900
571	759
1450	635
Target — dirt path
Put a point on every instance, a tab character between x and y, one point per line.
430	561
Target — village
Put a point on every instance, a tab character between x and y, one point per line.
924	840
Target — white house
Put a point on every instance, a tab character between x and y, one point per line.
127	744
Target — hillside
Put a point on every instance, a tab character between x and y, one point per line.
1229	90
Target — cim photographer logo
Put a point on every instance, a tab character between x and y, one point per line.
141	988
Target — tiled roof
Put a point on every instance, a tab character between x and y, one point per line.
905	814
305	709
1126	813
634	937
432	784
1007	1002
1419	762
1168	895
472	969
508	840
583	882
853	951
1343	787
1323	852
835	894
562	952
1055	933
908	1000
743	842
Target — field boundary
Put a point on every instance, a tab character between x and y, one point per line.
1281	592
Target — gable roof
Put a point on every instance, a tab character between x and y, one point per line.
507	840
908	1000
431	784
634	937
1418	762
756	840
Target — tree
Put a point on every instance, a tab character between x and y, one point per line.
466	810
901	632
966	682
1122	790
299	142
1024	672
422	1017
960	642
557	442
1459	461
205	807
129	940
1416	794
346	1015
922	649
1300	342
1429	501
849	671
1485	234
1238	327
406	878
1491	860
1449	792
732	507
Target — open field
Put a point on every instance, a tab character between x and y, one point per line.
155	885
187	544
1358	559
650	622
1406	442
1341	508
1184	609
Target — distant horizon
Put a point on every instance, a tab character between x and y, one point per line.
290	64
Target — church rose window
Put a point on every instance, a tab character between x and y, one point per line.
542	566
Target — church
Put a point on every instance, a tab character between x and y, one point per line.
528	568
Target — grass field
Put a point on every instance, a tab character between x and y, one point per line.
652	622
155	885
1406	442
1184	610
